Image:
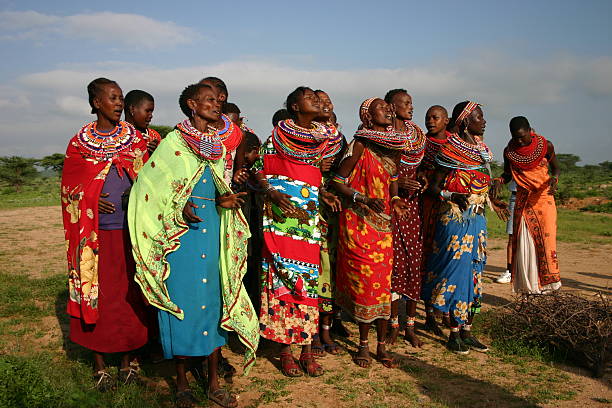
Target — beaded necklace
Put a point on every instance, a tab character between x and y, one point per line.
335	142
527	157
459	154
415	145
298	143
230	135
105	145
206	145
432	147
389	139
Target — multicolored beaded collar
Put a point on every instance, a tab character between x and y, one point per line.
230	135
527	157
461	155
415	145
336	140
432	147
206	145
105	145
389	139
298	143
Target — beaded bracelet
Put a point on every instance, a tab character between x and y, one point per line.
355	195
339	179
395	198
395	177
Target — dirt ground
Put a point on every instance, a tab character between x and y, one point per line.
33	239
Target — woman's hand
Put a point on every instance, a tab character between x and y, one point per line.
282	200
152	145
326	164
331	200
399	207
495	189
189	215
501	209
553	185
241	176
105	207
410	185
375	204
461	200
228	200
423	180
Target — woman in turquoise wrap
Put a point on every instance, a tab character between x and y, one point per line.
189	242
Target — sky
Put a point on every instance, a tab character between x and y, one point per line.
550	61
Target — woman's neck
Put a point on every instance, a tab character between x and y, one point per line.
304	121
104	124
399	124
199	123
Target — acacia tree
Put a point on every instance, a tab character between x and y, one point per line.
53	162
16	170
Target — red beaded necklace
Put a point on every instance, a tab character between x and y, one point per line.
527	157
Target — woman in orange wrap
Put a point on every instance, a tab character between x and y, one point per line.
535	268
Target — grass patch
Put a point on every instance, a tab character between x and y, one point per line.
41	192
29	298
41	381
572	226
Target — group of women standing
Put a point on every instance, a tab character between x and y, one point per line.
157	242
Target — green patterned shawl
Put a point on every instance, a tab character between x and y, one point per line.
156	223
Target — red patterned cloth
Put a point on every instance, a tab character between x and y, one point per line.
408	244
89	157
365	247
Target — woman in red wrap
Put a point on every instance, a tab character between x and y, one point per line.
107	313
367	179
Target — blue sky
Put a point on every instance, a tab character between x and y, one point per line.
548	60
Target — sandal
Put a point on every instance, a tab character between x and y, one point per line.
366	360
384	358
223	397
130	375
310	365
104	381
186	399
288	366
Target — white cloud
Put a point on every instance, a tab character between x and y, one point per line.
540	89
131	30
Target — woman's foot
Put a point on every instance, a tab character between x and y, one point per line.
223	397
431	325
362	358
457	346
130	374
394	329
186	399
411	337
103	381
317	348
310	365
383	357
289	366
326	341
472	342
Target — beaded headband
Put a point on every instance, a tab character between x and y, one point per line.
469	108
365	107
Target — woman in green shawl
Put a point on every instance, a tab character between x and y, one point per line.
189	242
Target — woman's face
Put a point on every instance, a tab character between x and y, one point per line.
402	105
476	122
142	113
206	105
522	137
308	103
327	107
109	102
436	120
380	113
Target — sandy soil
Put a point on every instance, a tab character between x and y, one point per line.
32	243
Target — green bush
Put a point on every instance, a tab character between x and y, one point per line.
23	384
